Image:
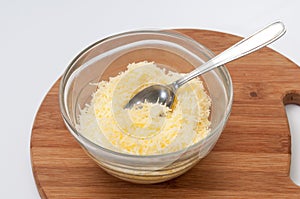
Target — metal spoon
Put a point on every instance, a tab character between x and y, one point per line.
165	94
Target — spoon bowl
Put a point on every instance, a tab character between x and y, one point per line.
158	93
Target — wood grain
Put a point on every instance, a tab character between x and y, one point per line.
251	158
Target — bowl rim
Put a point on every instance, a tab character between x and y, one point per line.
166	32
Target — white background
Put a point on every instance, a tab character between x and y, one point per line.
39	38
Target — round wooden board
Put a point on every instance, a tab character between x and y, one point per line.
251	158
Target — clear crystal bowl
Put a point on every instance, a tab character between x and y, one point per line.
110	56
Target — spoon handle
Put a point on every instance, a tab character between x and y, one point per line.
248	45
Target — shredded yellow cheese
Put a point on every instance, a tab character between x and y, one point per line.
151	128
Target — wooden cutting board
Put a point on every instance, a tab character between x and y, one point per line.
251	158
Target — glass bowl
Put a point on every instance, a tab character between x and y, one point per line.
110	56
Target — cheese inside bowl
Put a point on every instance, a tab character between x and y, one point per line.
173	53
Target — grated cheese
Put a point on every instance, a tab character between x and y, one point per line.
149	129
